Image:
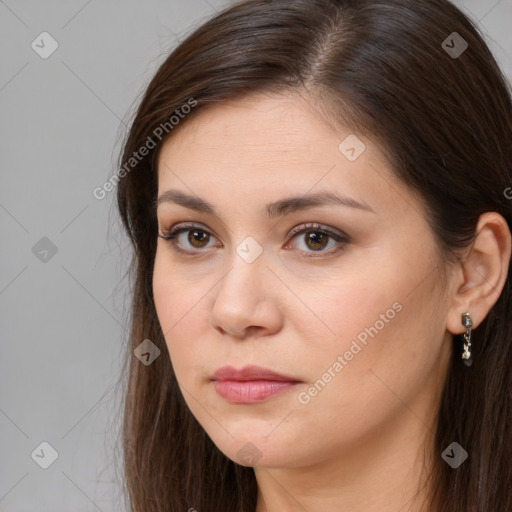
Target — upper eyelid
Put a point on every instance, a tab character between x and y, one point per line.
183	226
319	227
331	232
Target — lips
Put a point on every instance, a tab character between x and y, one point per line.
251	384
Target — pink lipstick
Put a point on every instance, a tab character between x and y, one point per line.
251	384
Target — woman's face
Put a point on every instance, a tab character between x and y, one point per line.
345	298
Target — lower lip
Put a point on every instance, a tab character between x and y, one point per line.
250	392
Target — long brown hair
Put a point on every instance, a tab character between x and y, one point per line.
440	106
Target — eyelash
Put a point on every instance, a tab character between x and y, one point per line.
171	234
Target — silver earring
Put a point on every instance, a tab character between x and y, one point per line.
467	322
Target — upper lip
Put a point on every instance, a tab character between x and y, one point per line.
248	373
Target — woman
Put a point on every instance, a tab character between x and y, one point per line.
316	193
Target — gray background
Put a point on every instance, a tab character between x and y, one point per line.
63	315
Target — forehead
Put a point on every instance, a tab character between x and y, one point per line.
276	126
273	146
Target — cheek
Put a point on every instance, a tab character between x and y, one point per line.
346	305
164	293
177	296
375	366
177	305
378	319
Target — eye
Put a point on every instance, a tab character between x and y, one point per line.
197	237
316	238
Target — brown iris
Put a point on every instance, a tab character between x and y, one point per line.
196	237
316	239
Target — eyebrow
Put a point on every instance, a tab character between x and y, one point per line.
273	210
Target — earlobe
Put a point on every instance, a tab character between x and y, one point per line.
482	273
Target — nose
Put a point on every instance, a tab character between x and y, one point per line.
245	302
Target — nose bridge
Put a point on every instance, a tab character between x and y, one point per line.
241	292
247	267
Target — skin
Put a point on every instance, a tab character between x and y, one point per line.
362	442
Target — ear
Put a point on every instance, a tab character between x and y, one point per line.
479	277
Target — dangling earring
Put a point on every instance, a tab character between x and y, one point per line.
467	322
